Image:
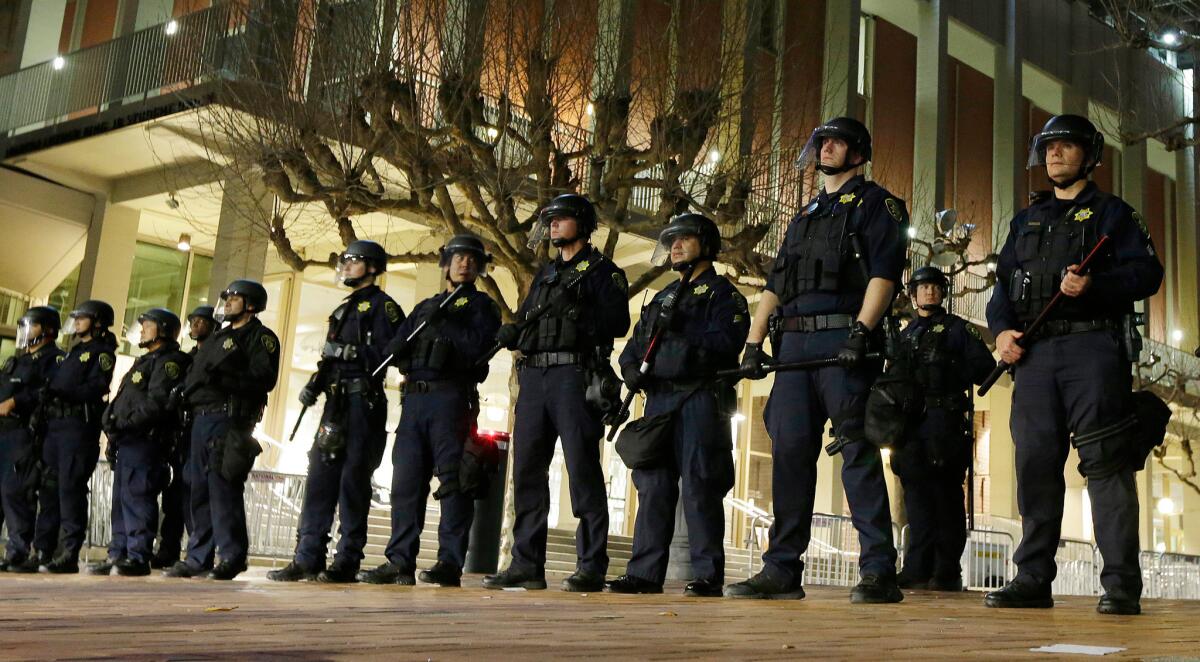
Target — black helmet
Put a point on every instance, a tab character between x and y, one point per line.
251	291
853	132
203	312
928	274
45	316
370	251
1076	129
167	321
99	312
464	243
688	225
568	204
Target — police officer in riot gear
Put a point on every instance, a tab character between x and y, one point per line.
587	299
1072	381
176	515
141	427
23	379
947	355
440	405
828	290
351	437
701	324
227	389
75	402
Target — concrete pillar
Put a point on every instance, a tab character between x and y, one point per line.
44	27
1190	521
108	257
1182	269
839	82
777	108
1133	175
1002	465
735	133
242	235
929	132
13	44
1008	145
1146	502
1074	93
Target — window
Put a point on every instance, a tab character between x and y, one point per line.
160	278
63	296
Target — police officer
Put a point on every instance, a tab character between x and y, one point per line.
227	389
140	426
440	406
176	515
829	288
585	297
700	323
1072	381
75	403
351	437
22	382
947	355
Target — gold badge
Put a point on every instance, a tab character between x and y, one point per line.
1083	215
392	311
582	266
85	357
938	328
228	344
270	344
460	302
59	359
364	306
893	207
700	289
172	369
849	197
136	378
106	362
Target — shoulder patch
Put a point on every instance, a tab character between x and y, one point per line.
893	207
974	332
106	362
270	343
172	369
1141	223
392	311
619	280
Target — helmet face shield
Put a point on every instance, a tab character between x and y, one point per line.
27	330
1037	148
810	156
225	312
666	242
351	268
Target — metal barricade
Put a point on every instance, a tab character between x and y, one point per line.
273	503
1170	576
100	489
987	559
833	551
1078	568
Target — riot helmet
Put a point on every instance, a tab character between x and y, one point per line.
848	129
687	225
100	318
36	324
201	314
569	205
1073	128
927	274
363	251
254	300
166	326
464	243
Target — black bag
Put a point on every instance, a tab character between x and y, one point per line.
238	450
1152	415
895	407
647	442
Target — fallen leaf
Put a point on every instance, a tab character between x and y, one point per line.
667	613
210	609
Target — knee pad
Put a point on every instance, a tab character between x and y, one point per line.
1104	450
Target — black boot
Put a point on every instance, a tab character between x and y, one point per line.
631	584
876	589
442	574
513	578
131	568
583	582
1118	604
904	580
388	573
1021	593
185	570
703	588
767	585
338	573
162	561
292	572
26	566
63	565
103	568
227	570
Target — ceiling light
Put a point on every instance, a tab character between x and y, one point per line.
1166	506
172	27
185	242
58	62
1170	38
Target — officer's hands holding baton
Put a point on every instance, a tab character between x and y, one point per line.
1073	284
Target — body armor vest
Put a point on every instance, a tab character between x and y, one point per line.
558	330
936	368
430	351
819	257
1045	246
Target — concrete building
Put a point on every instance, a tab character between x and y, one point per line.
105	191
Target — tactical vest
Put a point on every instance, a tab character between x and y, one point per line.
558	330
10	382
818	256
430	351
936	368
1045	246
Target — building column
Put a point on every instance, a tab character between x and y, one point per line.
108	258
42	31
1182	270
929	132
1008	146
242	235
839	81
1002	458
1190	521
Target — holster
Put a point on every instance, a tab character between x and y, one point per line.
235	453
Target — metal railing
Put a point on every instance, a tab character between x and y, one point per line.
1170	576
1079	565
987	560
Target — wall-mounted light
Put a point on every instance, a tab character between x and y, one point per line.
1177	335
185	242
58	63
172	27
714	156
1166	506
912	232
1170	37
992	262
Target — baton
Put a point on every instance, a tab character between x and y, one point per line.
1037	323
420	327
794	365
298	420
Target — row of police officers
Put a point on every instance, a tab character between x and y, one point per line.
180	423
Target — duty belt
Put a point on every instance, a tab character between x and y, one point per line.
353	385
551	359
810	323
1055	328
60	409
432	386
951	401
202	410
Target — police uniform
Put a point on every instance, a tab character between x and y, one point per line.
440	405
141	427
706	333
227	389
76	400
552	374
820	284
22	378
340	465
948	356
1072	385
176	511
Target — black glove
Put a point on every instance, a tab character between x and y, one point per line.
753	359
633	377
508	335
308	394
854	351
110	451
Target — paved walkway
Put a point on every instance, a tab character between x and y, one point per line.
82	617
